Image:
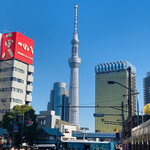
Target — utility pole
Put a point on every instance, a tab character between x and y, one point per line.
22	129
14	124
122	114
137	107
129	92
130	106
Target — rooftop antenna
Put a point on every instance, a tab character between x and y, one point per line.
23	32
75	19
6	31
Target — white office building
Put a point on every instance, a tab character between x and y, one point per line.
16	70
15	84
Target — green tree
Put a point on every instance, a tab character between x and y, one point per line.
22	114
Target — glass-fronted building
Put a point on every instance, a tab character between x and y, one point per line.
146	84
113	94
59	97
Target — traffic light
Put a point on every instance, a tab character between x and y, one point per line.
29	122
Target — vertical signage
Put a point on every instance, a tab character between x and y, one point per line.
0	42
16	45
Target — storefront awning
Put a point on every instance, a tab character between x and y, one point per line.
3	132
52	131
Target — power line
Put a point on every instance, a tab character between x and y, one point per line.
97	106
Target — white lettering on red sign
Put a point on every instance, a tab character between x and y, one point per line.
9	35
31	49
4	55
8	44
26	47
19	43
10	52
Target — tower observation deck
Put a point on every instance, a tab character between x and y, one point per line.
74	63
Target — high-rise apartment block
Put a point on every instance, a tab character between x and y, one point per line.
16	70
146	84
74	63
59	101
108	97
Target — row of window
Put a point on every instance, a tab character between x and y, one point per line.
17	101
11	79
4	110
11	89
3	100
12	69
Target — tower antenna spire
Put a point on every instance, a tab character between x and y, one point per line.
74	63
75	19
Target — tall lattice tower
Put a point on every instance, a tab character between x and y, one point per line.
74	63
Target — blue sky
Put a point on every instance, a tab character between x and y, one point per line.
109	30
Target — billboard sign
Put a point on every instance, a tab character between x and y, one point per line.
0	42
98	115
16	45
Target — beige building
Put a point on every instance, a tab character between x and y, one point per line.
15	84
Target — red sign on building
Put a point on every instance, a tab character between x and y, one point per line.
16	45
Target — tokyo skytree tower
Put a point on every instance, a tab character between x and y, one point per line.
74	63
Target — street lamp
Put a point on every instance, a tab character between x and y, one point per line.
114	82
83	129
129	92
129	95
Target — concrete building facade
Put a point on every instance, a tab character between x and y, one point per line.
48	119
16	72
67	131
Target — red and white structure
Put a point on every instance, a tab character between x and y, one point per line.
16	69
74	63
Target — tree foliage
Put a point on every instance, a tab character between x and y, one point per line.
18	117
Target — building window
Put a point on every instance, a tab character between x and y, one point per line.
4	110
16	100
11	79
11	89
20	81
44	122
12	69
19	70
3	100
5	89
66	131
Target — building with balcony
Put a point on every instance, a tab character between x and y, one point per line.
16	71
15	88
